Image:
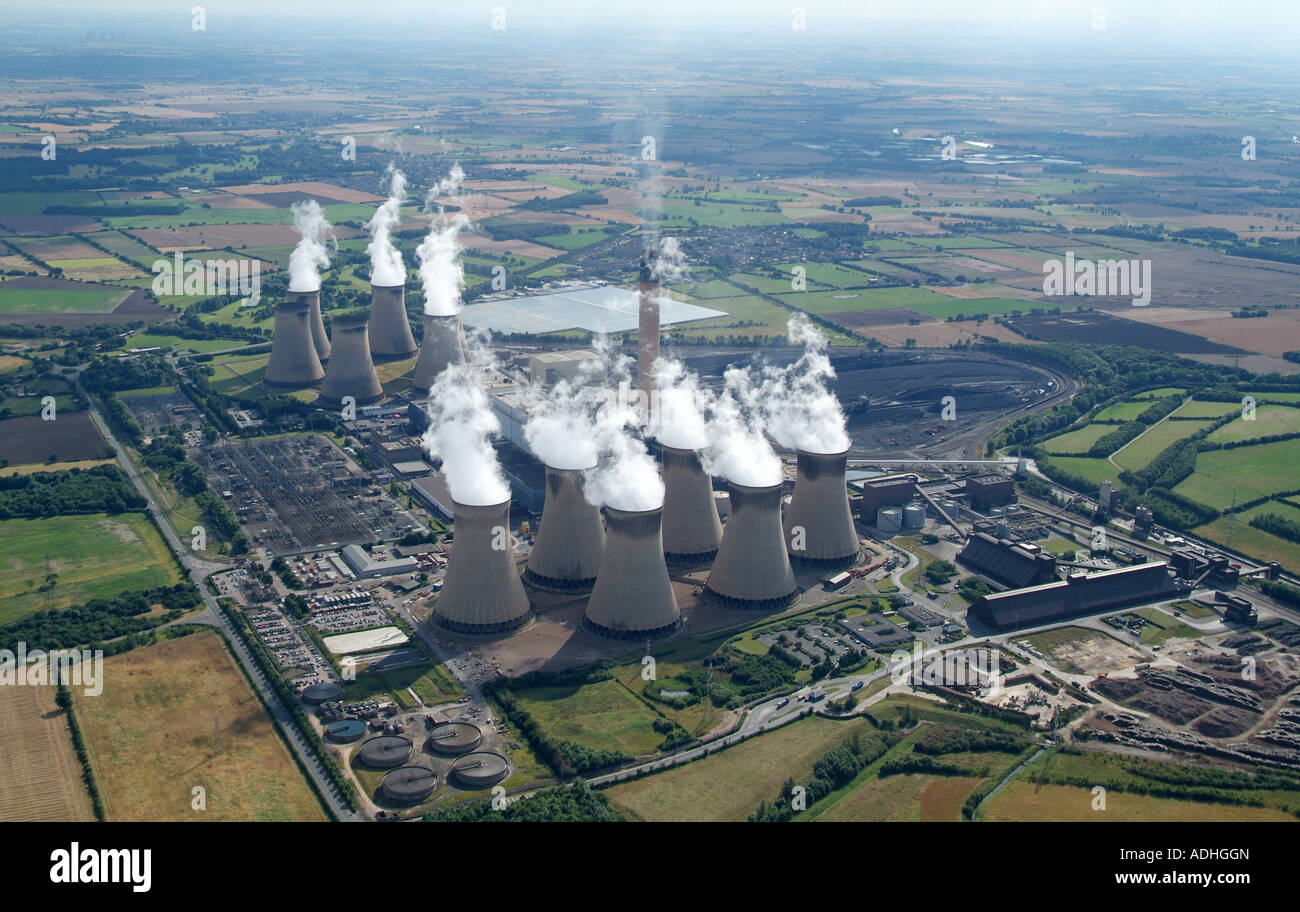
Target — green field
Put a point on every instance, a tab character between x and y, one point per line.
92	299
1243	474
603	715
1163	393
94	556
1237	532
1268	420
1198	409
1138	453
1094	470
1079	441
1122	411
1163	626
151	340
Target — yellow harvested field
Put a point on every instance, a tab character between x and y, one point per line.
40	778
180	715
1031	801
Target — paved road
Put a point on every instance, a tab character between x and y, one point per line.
213	616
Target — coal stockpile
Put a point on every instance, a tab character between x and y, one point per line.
1100	328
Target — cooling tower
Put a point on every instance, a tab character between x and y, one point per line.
691	528
351	372
752	569
390	331
647	345
443	344
294	363
567	553
312	299
819	517
633	597
482	592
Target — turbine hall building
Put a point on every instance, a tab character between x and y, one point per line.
1080	595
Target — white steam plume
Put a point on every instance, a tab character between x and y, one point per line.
441	271
678	420
738	450
386	267
561	427
461	426
801	411
310	256
447	186
669	263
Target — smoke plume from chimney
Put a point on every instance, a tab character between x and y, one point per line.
800	410
461	426
310	256
386	267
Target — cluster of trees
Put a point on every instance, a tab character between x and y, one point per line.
573	200
565	758
576	803
63	699
950	739
1281	592
940	571
103	618
913	763
285	572
102	489
973	588
112	374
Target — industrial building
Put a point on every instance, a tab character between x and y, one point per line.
390	330
990	490
548	368
566	555
444	344
482	592
1191	565
295	362
1011	564
890	491
432	491
363	565
752	570
633	597
818	525
692	529
1079	595
351	371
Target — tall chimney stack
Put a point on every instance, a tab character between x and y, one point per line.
752	569
314	320
691	528
482	592
818	526
443	344
351	372
390	330
294	363
633	598
647	345
566	556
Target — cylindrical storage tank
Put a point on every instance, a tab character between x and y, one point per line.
691	527
889	519
345	731
294	363
314	320
315	694
454	738
385	752
351	372
819	517
566	555
390	330
633	597
482	592
479	770
409	784
914	516
443	344
752	569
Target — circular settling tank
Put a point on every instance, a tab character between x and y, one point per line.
321	693
454	738
409	784
480	769
345	731
385	752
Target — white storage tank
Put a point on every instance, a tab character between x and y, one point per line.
889	519
914	516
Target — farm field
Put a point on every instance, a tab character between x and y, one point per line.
41	778
1122	411
603	715
1094	470
94	556
70	437
1243	474
177	715
159	340
1268	420
18	300
1029	801
1077	441
1198	409
1159	437
1237	533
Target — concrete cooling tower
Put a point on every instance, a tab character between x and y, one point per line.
752	569
482	592
294	363
647	345
567	553
390	330
351	372
443	344
633	597
318	337
691	528
819	517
